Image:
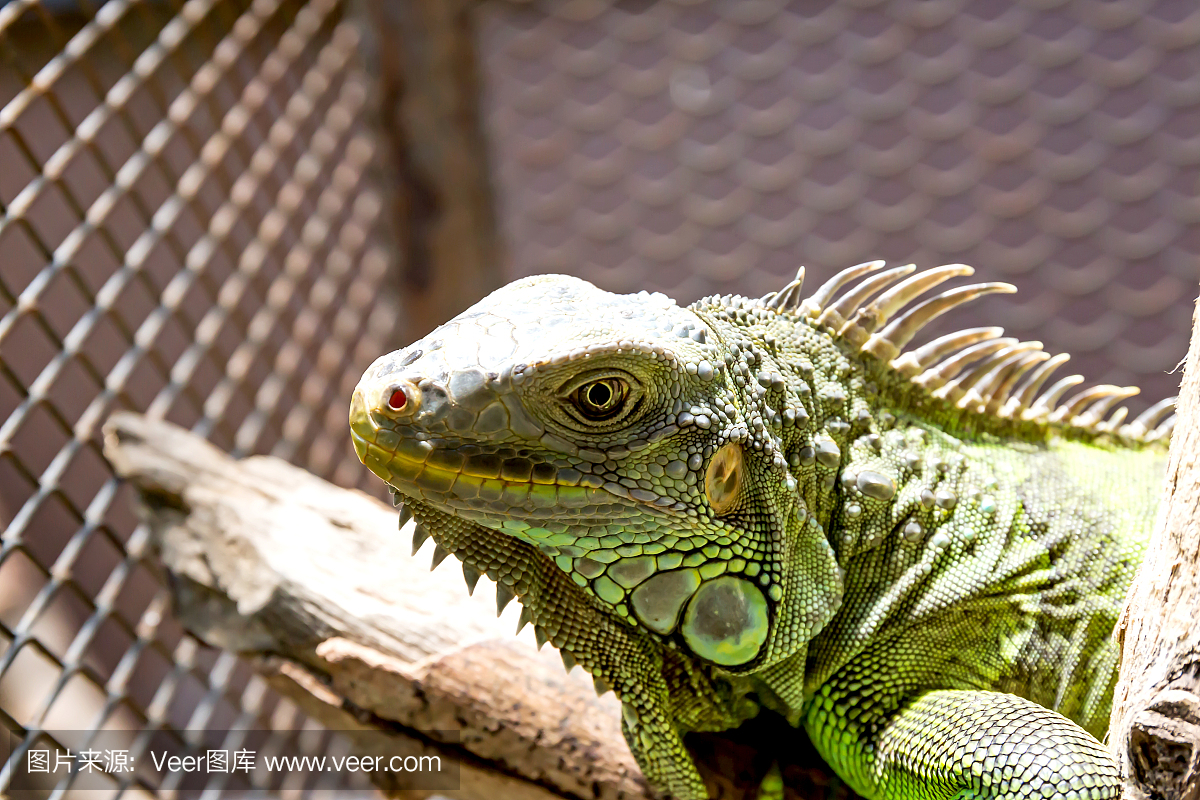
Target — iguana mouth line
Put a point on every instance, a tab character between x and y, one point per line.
486	483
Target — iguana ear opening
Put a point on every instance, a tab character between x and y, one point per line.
724	478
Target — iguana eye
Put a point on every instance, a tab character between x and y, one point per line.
601	399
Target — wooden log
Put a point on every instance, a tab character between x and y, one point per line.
315	583
1155	723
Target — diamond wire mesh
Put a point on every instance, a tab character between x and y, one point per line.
710	146
186	229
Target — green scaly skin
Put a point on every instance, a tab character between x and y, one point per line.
756	503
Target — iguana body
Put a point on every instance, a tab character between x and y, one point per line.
766	503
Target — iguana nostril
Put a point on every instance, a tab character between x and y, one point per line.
398	400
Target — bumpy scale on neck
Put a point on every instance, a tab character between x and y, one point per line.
871	483
820	425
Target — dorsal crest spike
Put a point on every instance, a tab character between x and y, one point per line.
1029	390
816	303
1098	410
888	342
914	362
902	293
787	298
1045	404
997	380
977	370
849	317
956	389
937	375
852	300
1072	408
1148	419
1113	423
975	389
997	394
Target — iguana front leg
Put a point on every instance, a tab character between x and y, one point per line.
658	748
958	744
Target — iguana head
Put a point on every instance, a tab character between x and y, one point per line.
607	432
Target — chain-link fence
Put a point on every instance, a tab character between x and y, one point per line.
187	228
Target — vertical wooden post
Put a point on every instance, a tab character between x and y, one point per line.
422	55
1155	726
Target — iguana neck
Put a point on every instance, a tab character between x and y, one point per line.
849	459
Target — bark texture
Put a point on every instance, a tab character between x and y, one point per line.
1155	727
315	583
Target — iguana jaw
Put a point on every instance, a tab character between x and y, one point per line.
482	482
606	542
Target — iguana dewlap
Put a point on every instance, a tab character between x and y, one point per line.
917	553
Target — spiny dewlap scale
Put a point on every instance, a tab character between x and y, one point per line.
916	552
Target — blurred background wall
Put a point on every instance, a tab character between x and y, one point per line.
187	229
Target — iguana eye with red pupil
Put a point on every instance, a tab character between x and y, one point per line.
398	400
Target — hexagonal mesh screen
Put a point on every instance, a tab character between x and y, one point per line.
185	230
699	146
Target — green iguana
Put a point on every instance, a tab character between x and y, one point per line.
913	553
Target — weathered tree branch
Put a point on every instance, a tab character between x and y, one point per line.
314	583
1155	727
